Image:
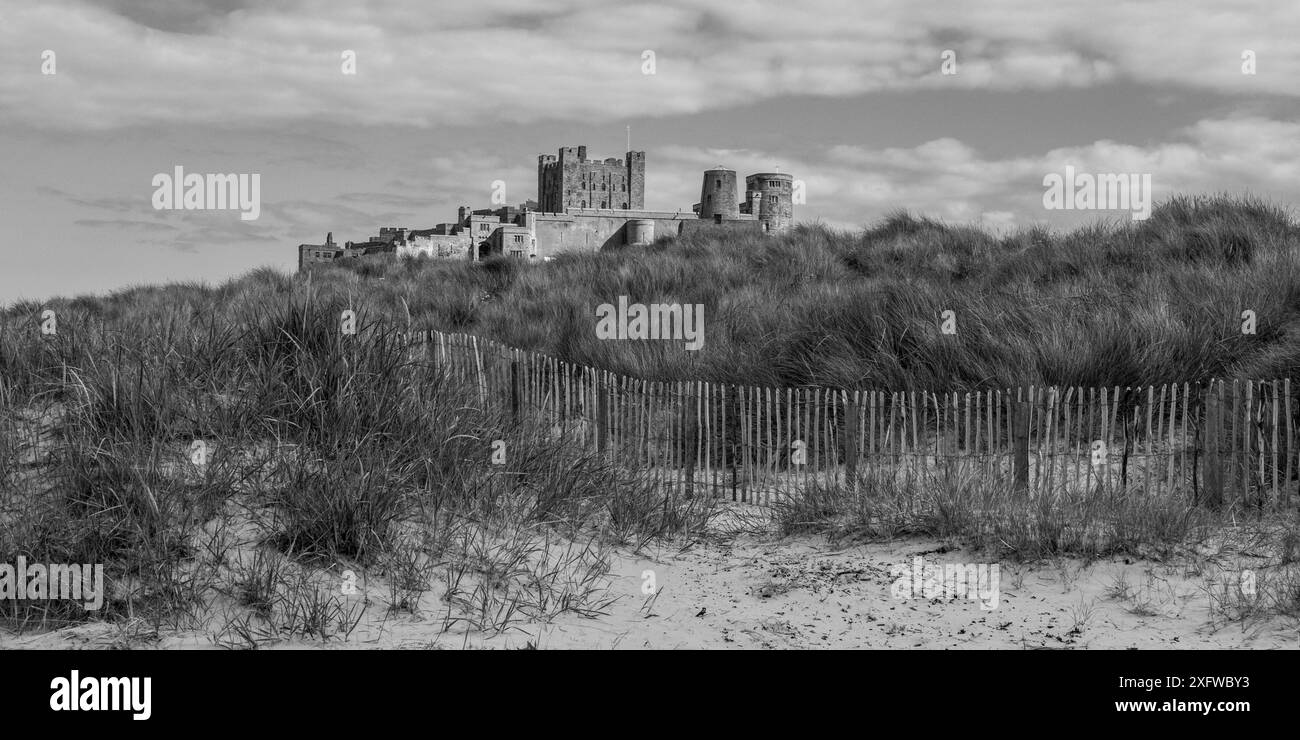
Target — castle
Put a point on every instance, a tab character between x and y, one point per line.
582	205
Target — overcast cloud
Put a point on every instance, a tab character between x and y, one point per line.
448	97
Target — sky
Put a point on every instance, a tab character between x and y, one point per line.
953	110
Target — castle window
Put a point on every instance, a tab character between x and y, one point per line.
772	200
584	204
602	204
625	205
717	183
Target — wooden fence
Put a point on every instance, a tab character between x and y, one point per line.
1223	442
1219	442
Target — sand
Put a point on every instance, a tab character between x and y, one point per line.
750	589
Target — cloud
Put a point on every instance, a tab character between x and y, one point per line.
851	186
181	16
98	223
494	61
846	185
116	204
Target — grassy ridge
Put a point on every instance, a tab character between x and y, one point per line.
1120	303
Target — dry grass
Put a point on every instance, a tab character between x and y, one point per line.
329	452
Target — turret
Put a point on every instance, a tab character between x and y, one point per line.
636	180
774	193
718	195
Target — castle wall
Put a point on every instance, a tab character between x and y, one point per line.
639	231
317	254
309	254
438	246
744	223
591	230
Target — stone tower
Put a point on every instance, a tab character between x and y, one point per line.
773	194
718	195
569	180
636	180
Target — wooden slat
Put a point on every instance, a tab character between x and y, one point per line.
1004	441
1146	434
792	432
1187	440
890	438
801	411
1173	443
850	438
1020	463
1289	453
966	438
871	428
770	442
727	461
1087	436
1213	443
1247	438
1053	431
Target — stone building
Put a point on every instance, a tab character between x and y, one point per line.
769	196
582	205
327	252
718	196
570	180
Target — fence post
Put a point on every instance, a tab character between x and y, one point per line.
1213	472
1290	444
850	440
735	452
1020	459
514	388
691	441
601	389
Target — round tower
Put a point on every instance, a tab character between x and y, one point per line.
718	194
774	192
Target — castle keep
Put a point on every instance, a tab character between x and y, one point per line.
582	205
570	180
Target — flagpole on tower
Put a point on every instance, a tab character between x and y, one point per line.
629	139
